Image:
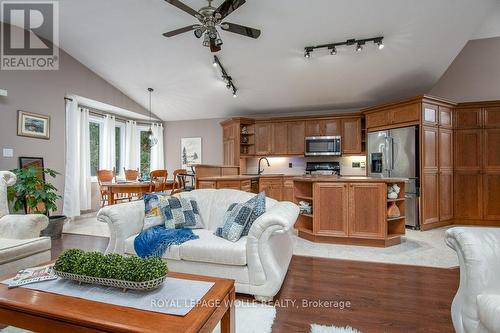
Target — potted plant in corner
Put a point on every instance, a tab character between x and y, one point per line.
32	194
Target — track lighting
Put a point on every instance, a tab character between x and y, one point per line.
357	43
225	76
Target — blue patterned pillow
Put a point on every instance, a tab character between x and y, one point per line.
239	217
173	211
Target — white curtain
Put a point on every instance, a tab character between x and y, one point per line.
108	147
157	159
132	152
77	187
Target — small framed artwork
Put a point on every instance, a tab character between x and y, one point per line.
33	125
29	162
190	152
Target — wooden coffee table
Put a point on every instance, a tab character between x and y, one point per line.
40	311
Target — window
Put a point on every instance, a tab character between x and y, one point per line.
95	137
120	148
145	155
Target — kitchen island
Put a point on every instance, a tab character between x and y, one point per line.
350	210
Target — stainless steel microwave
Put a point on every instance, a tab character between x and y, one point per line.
322	146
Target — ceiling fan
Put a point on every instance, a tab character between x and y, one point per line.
210	18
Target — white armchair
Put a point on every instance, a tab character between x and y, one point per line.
476	306
257	262
20	243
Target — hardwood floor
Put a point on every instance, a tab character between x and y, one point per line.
383	297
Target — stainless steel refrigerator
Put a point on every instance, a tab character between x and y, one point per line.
395	153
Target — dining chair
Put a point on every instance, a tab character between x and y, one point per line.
158	181
180	181
131	174
105	176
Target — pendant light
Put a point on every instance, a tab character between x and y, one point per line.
152	140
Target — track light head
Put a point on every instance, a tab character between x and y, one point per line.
333	51
359	47
307	53
234	94
198	33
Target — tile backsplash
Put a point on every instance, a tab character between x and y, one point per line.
281	165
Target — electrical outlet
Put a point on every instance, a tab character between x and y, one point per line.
363	165
290	165
356	164
8	152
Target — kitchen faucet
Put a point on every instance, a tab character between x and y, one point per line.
260	159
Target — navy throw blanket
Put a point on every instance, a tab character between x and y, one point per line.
156	241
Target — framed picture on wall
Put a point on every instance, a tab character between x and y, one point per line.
33	125
190	152
28	162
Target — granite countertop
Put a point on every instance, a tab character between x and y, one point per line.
232	177
354	179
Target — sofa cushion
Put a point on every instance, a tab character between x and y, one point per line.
235	220
488	308
173	211
213	249
14	249
171	253
259	208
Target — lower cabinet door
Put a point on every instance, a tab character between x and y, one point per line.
330	218
367	210
445	195
430	198
491	195
468	193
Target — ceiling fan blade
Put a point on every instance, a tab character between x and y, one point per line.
181	30
228	6
184	7
214	48
240	29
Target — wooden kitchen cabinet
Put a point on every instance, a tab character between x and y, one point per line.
287	193
203	184
445	195
491	151
467	118
331	127
445	149
430	114
323	127
280	138
229	148
430	197
313	127
351	136
491	116
468	195
367	210
468	152
273	186
263	138
328	221
491	196
445	117
296	137
430	150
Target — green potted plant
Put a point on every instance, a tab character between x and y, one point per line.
32	194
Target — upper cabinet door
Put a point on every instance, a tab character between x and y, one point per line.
445	149
351	136
263	139
491	150
404	114
313	128
280	138
377	119
430	149
468	152
296	137
429	114
492	117
331	127
467	118
445	117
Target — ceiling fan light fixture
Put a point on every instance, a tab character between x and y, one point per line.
198	33
218	42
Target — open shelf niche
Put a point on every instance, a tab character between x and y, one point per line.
396	226
303	191
247	139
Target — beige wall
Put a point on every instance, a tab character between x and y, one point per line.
43	92
474	75
210	132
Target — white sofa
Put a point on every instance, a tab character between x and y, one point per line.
20	244
476	306
257	262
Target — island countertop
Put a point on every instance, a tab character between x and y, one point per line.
354	179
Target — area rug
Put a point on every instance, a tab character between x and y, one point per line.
251	317
315	328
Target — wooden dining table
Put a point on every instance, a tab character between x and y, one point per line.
128	187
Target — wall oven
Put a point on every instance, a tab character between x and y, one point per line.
322	146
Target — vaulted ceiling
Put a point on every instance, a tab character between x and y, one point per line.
122	41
